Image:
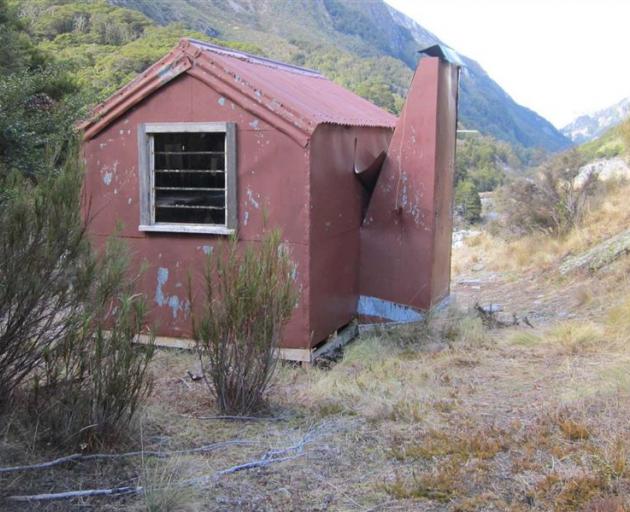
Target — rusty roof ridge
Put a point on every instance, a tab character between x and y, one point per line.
164	70
282	111
254	59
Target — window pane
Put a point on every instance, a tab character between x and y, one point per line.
189	178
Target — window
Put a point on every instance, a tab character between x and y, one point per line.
187	177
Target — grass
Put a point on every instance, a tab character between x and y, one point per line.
164	490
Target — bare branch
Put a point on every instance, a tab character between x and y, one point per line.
80	457
270	457
240	418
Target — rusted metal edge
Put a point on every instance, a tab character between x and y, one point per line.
256	59
224	88
155	77
337	340
228	77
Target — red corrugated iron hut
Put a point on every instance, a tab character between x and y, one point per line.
210	141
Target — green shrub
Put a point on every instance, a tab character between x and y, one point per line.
43	271
68	319
94	379
553	201
249	297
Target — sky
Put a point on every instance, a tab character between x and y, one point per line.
561	58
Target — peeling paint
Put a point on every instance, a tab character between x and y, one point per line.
254	124
250	196
108	176
174	304
172	301
221	101
245	218
166	73
162	277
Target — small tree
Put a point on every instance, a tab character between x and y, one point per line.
467	201
43	256
249	297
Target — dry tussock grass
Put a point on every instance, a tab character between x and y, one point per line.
542	252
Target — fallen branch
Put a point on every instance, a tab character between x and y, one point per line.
270	457
80	457
240	418
116	491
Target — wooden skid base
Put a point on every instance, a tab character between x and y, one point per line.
301	355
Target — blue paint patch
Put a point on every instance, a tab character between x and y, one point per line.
162	277
221	101
172	301
393	311
207	249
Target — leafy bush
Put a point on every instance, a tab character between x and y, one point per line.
93	380
35	122
43	251
554	201
249	297
68	319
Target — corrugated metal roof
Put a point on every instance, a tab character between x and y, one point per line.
298	99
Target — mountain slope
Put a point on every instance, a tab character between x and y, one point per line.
300	30
591	126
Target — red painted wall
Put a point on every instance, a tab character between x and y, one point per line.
272	177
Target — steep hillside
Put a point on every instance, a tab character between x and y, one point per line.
302	30
591	126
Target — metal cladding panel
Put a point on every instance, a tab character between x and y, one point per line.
168	260
272	191
337	203
398	238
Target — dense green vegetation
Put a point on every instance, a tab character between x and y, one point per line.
482	164
101	46
36	102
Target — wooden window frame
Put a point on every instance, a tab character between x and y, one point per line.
146	177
